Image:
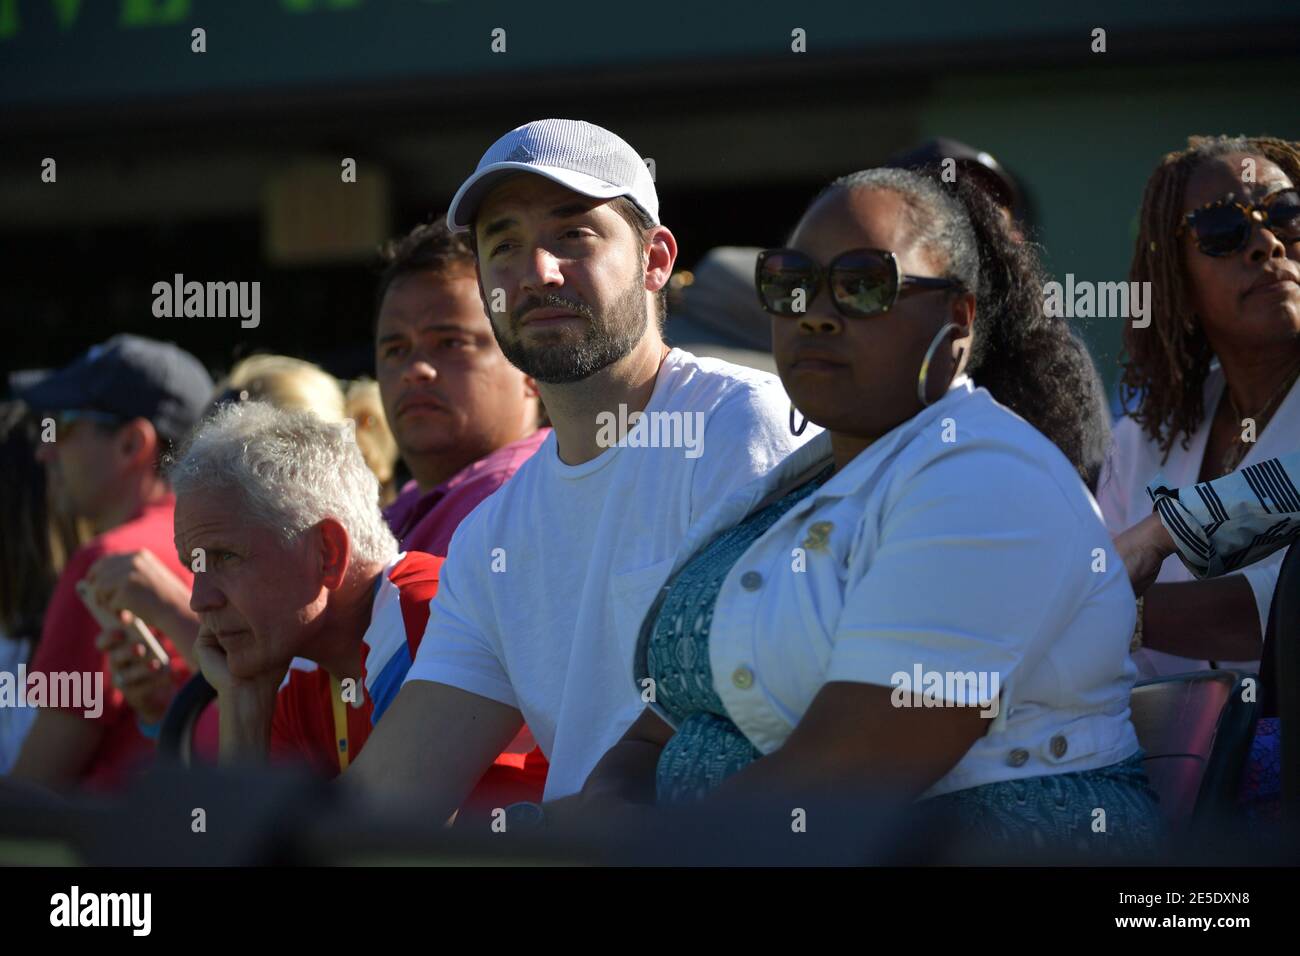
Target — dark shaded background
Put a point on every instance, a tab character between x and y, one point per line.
165	157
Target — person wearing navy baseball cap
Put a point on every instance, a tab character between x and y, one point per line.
129	377
107	420
572	261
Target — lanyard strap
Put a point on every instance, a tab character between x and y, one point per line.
341	707
340	721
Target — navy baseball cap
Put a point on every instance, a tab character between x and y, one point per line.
129	377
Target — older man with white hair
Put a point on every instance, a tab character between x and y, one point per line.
279	517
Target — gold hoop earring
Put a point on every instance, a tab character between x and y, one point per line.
924	374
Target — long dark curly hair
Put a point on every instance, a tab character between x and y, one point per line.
1165	364
1030	362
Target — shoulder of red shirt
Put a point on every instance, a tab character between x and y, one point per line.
391	641
123	537
69	631
416	574
302	727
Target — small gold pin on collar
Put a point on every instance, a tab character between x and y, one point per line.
819	534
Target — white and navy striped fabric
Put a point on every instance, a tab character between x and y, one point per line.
397	621
1223	525
1138	463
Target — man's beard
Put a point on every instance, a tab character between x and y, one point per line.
608	338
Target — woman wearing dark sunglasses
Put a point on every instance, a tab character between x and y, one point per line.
1213	376
929	533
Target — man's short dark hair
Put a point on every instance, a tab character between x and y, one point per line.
641	229
429	247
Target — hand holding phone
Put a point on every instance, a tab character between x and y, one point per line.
136	630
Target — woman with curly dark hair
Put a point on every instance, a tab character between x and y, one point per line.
1213	375
922	598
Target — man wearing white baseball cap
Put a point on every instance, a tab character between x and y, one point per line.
547	581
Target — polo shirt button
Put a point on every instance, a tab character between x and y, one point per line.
1018	757
751	580
743	678
1059	746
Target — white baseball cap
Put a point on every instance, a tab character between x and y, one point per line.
579	156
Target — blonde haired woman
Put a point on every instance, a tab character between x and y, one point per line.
374	438
284	382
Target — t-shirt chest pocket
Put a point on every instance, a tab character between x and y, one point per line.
631	594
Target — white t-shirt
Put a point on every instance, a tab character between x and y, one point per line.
960	552
1134	462
547	580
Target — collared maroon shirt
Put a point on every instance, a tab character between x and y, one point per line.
426	522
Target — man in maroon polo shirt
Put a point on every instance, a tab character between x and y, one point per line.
464	418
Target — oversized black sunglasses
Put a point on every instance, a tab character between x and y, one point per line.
863	282
1224	227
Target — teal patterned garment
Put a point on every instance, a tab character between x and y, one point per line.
1058	811
708	747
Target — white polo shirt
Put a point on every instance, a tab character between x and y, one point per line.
548	579
1134	462
961	541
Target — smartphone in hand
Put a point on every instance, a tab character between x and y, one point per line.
108	620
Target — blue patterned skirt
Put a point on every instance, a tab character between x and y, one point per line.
1107	811
706	750
1110	810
